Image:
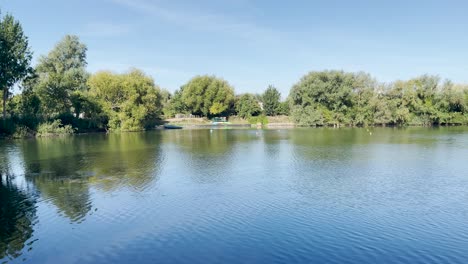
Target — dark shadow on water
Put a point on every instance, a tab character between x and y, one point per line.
17	218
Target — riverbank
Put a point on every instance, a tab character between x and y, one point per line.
57	129
233	122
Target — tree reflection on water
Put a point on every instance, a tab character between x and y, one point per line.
17	218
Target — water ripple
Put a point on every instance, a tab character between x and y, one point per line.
237	196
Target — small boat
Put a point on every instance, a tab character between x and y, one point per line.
168	126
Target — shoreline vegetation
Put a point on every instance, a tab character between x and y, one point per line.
59	97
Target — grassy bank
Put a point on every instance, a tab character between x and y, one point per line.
266	121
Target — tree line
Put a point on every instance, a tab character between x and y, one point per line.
58	94
356	99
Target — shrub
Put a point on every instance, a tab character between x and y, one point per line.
308	116
258	119
22	132
54	128
7	127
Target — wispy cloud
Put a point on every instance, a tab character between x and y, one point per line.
194	20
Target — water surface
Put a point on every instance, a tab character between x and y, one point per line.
237	196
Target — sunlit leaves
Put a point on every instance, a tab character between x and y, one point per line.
131	101
207	95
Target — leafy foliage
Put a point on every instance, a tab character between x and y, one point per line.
271	101
54	128
60	74
284	108
15	55
22	132
261	119
207	95
131	101
175	105
247	106
336	97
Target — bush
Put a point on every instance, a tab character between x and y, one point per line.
284	109
7	127
308	116
420	120
18	127
22	132
458	119
258	119
54	128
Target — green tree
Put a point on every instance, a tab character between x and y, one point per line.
423	106
452	98
284	108
166	97
414	101
175	105
400	98
207	95
131	101
308	116
451	104
61	73
271	101
362	112
15	56
26	104
327	96
247	106
380	106
88	113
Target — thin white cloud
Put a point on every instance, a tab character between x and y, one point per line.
207	22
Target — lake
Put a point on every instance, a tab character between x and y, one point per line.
378	195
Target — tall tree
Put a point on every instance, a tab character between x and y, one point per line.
61	73
325	96
15	55
207	95
131	101
175	105
362	112
247	106
271	101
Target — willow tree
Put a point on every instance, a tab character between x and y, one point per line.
15	55
131	101
207	95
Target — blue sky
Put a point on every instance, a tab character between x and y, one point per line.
253	44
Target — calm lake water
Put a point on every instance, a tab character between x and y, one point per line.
237	196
